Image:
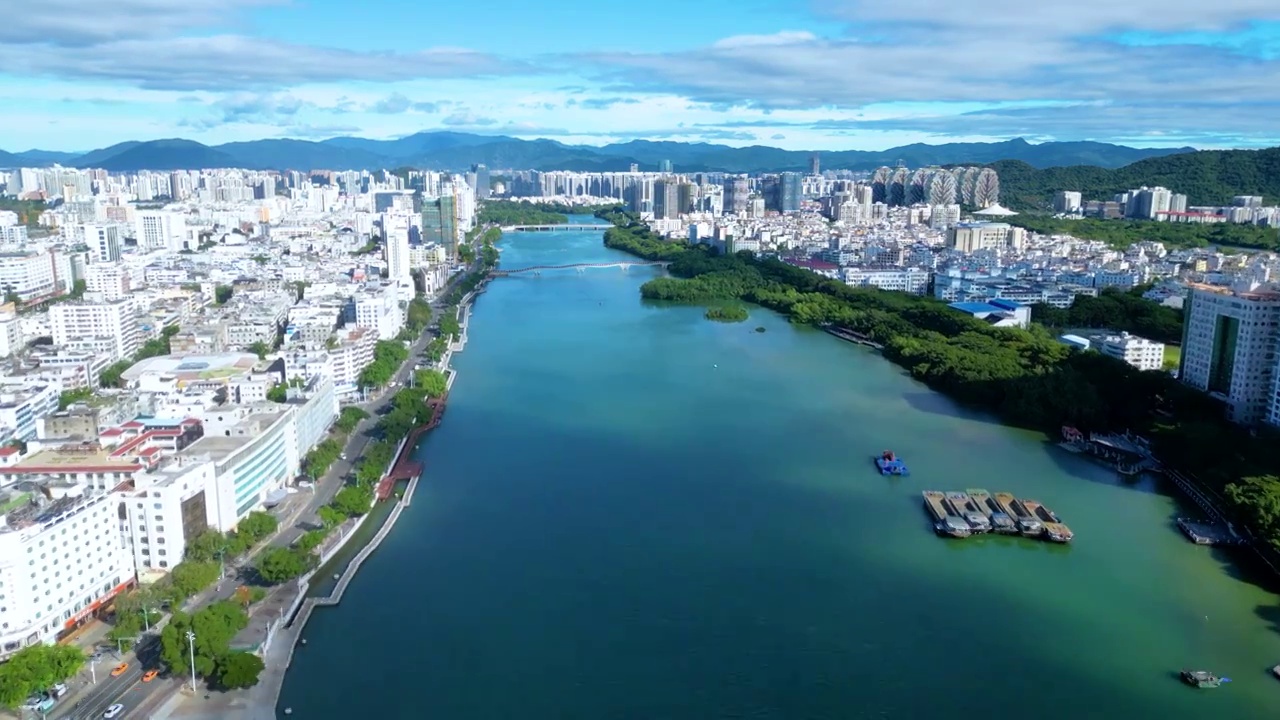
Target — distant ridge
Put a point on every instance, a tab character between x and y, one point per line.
456	151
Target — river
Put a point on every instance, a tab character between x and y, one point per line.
632	512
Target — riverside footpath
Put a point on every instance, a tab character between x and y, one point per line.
286	636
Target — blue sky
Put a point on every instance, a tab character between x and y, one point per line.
799	74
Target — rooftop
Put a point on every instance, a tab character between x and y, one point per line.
192	367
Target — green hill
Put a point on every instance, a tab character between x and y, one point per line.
1207	177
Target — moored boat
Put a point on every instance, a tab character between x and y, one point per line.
1202	679
889	464
1275	670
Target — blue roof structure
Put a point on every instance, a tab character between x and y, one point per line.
974	308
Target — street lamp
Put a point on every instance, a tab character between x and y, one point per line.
191	642
146	617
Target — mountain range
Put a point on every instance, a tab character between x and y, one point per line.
457	151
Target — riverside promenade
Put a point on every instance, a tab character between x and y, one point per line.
259	702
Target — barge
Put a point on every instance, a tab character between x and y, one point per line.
964	506
1001	522
945	523
1026	523
976	511
1054	529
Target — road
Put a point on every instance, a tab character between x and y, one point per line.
129	689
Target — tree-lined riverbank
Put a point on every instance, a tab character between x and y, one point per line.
1026	377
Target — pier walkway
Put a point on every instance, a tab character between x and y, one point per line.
405	468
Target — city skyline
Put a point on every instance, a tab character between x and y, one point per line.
830	75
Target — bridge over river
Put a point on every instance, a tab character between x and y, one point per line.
555	228
580	267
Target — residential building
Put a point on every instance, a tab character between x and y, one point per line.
161	230
103	241
20	408
33	275
1229	340
1139	352
75	323
254	449
909	280
972	237
62	559
110	280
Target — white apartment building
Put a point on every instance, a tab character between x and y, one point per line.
22	406
103	241
62	557
1139	352
74	323
352	354
396	248
161	230
1229	343
166	509
377	308
111	280
908	280
971	237
11	337
34	274
254	449
13	234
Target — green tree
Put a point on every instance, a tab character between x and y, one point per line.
260	349
190	577
222	293
312	539
432	382
279	564
37	668
353	500
349	418
214	626
256	526
449	326
71	397
331	517
239	670
278	393
208	546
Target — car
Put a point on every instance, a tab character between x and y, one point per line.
113	711
150	675
119	670
58	690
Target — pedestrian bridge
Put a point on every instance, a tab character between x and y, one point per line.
580	267
555	228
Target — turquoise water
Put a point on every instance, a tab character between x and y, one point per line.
632	512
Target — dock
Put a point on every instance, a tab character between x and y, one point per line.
1205	532
1001	521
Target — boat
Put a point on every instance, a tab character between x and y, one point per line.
1202	679
1000	520
1053	528
889	464
963	505
1276	671
945	523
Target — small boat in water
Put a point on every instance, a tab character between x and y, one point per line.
1276	671
889	464
1202	679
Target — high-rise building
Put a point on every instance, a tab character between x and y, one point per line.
666	199
1139	352
664	166
1229	340
440	222
103	242
1067	201
482	181
815	165
160	230
736	193
395	233
784	192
